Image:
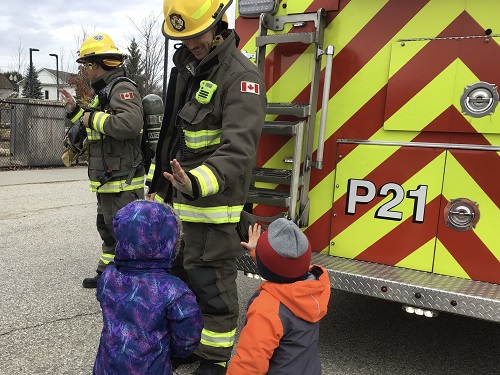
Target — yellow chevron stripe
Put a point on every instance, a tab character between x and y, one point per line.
445	264
420	259
459	184
485	13
425	106
355	239
349	99
351	19
251	47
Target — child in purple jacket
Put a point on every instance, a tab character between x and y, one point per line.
148	314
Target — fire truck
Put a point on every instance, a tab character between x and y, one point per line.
382	142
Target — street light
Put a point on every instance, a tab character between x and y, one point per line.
31	71
13	77
57	72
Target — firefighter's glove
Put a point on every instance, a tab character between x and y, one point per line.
73	143
68	156
179	178
87	118
185	187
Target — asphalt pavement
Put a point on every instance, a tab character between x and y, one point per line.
49	324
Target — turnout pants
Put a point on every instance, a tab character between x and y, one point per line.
207	263
108	205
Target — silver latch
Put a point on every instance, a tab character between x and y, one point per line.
461	214
479	99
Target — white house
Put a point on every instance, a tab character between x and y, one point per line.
48	81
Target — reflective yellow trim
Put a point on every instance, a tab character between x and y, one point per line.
98	121
107	258
93	135
151	172
206	179
217	339
76	117
202	138
95	102
203	9
116	186
213	215
159	199
90	45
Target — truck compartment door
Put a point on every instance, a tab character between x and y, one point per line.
386	204
467	238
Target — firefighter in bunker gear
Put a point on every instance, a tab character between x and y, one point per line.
114	123
206	150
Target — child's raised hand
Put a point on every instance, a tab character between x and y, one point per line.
253	236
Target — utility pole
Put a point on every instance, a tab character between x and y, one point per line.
31	71
57	72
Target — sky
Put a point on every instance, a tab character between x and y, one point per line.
57	27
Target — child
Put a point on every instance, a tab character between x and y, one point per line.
281	332
148	314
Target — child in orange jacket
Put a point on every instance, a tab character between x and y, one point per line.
281	332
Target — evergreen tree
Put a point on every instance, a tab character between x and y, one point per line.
133	66
32	81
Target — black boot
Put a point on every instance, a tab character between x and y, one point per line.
206	368
91	282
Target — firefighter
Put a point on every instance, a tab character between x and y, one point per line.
204	157
114	123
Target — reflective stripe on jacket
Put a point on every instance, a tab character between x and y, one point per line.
215	143
114	136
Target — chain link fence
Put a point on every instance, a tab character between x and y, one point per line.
31	133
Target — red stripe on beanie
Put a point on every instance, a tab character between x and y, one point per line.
285	267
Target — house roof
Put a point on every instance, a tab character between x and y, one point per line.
5	84
63	76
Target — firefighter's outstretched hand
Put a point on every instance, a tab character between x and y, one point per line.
68	100
179	178
253	235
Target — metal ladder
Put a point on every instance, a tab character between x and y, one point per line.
302	129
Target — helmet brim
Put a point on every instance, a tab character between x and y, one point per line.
102	56
195	33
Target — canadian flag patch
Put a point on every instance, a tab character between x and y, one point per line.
250	87
127	95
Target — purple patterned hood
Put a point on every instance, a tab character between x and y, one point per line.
147	235
148	314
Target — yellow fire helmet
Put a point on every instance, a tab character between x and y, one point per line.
189	19
102	46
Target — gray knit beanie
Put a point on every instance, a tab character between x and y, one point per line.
283	252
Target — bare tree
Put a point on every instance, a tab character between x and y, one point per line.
84	33
19	59
67	64
152	45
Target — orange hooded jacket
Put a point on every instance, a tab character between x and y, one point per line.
281	332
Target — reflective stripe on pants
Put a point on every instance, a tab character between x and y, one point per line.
206	262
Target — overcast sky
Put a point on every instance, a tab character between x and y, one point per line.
56	26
